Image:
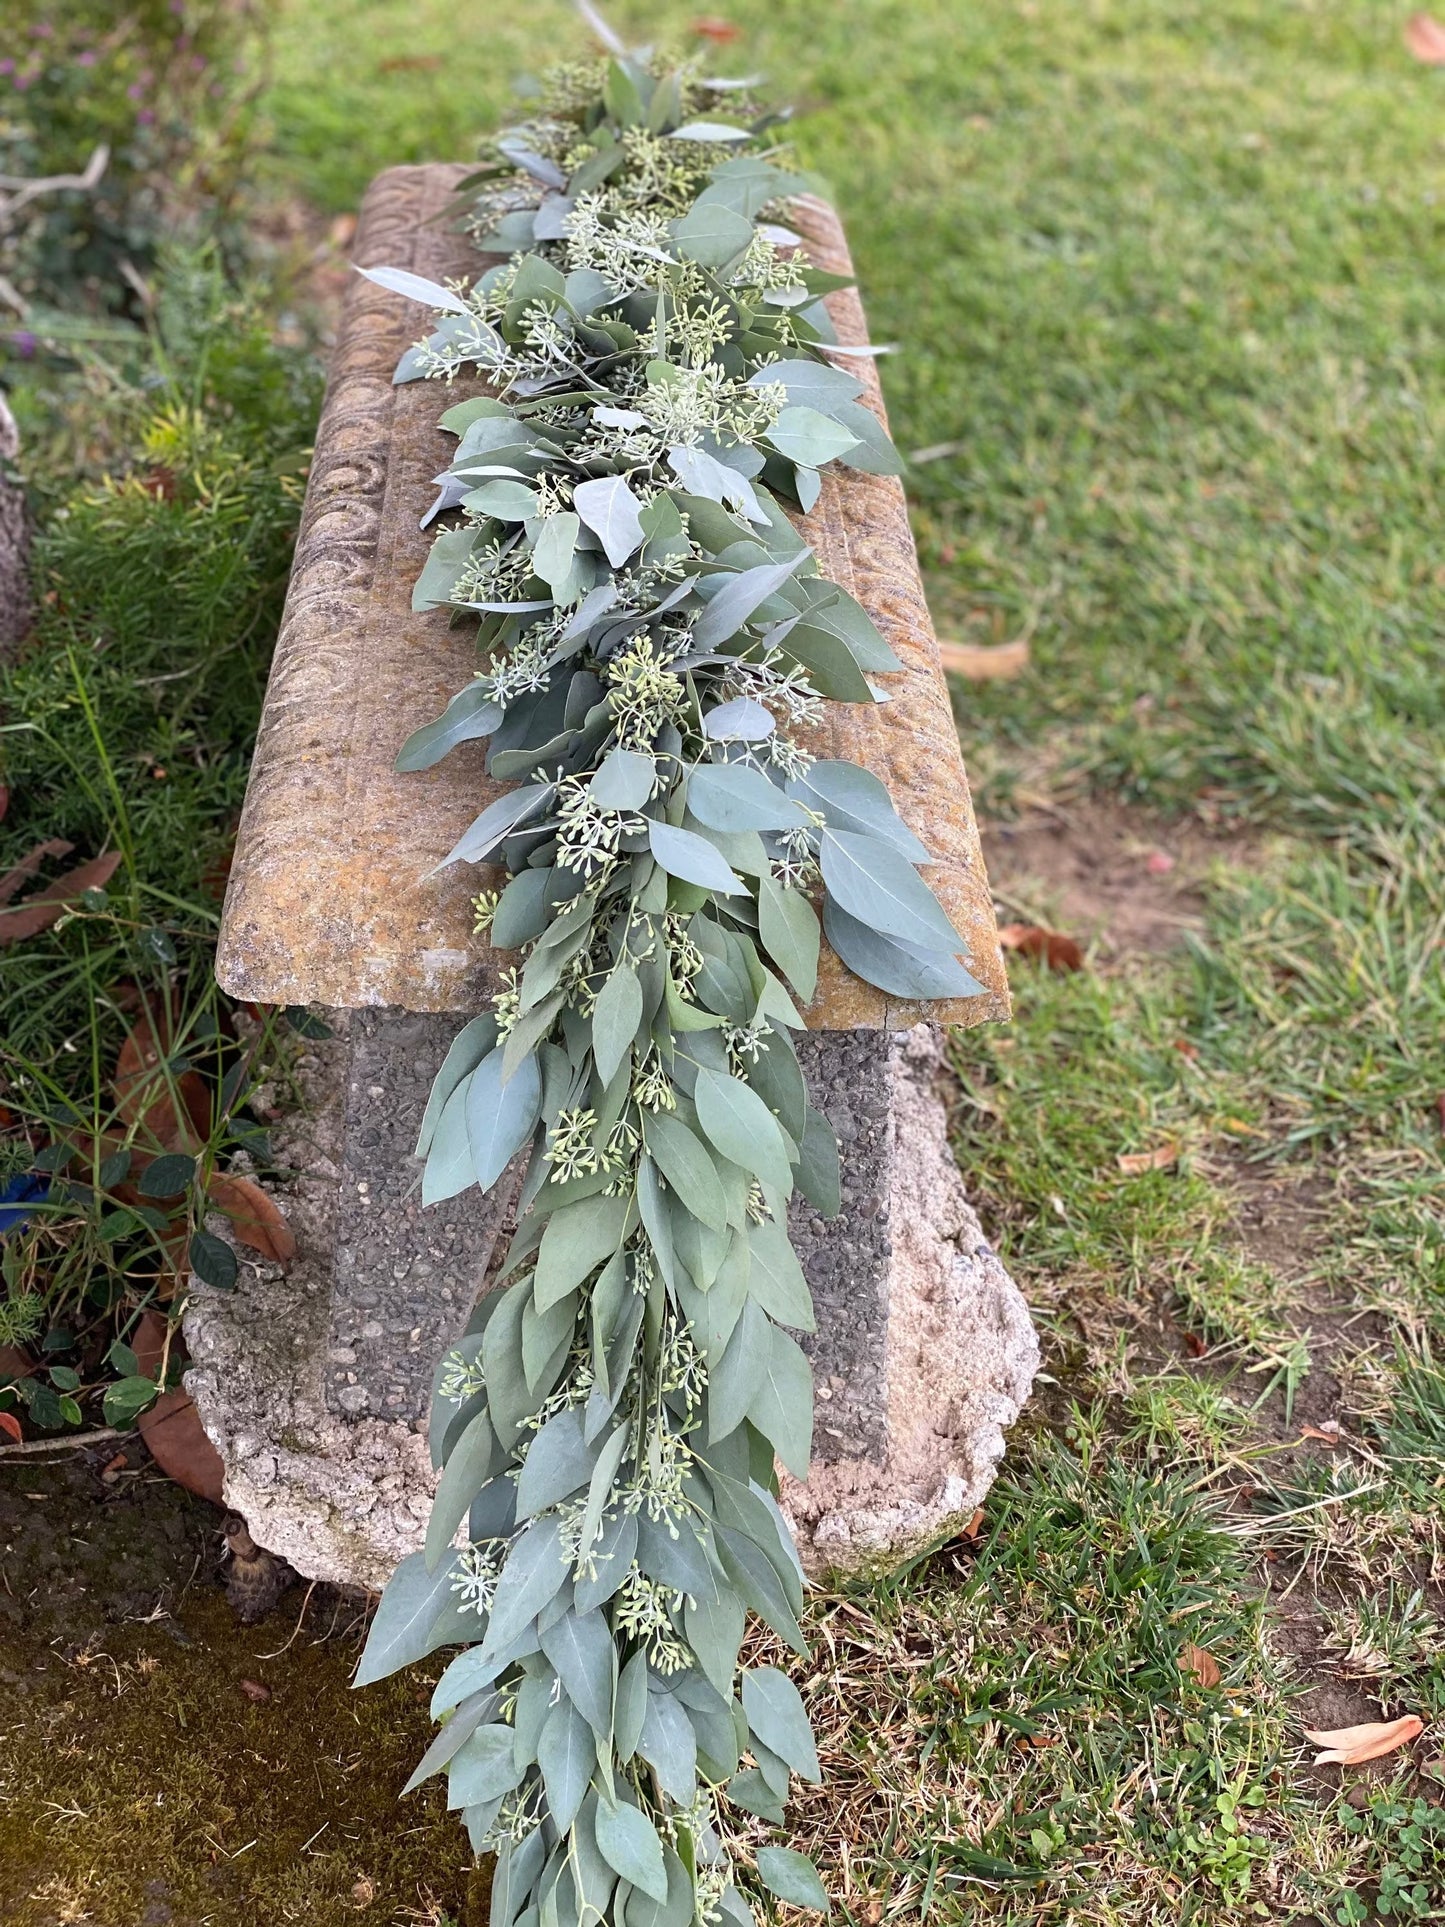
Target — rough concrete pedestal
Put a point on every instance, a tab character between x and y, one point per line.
314	1383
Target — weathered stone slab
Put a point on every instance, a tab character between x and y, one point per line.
330	899
314	1383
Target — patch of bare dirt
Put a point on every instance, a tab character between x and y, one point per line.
1101	870
1280	1216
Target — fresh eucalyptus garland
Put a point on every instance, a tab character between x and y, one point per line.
652	631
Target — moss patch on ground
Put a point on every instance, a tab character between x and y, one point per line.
145	1781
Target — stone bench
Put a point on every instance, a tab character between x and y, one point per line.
314	1386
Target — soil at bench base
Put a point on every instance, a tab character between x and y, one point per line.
156	1770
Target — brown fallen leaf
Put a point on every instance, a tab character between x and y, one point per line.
171	1112
1425	38
257	1218
10	1426
1199	1665
984	662
1330	1433
1353	1745
148	1341
1134	1163
1195	1345
177	1442
30	863
1052	946
37	913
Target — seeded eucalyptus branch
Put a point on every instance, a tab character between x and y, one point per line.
654	633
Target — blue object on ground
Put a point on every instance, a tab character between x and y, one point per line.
17	1197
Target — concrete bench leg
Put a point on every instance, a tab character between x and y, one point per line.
314	1384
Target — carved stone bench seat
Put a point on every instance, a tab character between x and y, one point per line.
924	1348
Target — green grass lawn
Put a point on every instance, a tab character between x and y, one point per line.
1167	282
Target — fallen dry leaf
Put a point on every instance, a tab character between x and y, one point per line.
10	1426
1329	1432
173	1112
30	863
37	913
1199	1664
177	1441
1353	1745
1425	38
1034	940
256	1216
1134	1163
1195	1345
148	1341
984	662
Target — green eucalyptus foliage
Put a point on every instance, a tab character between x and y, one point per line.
652	628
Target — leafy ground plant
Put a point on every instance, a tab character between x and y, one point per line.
124	1074
653	629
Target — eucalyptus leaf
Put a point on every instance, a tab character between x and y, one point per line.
630	1845
567	1755
580	1647
792	1877
687	1167
741	720
559	1462
741	1126
873	882
468	1467
774	1709
501	1113
739	600
612	512
809	437
684	854
615	1020
735	796
470	713
399	1630
416	287
903	970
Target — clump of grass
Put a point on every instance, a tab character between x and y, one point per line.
1008	1732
